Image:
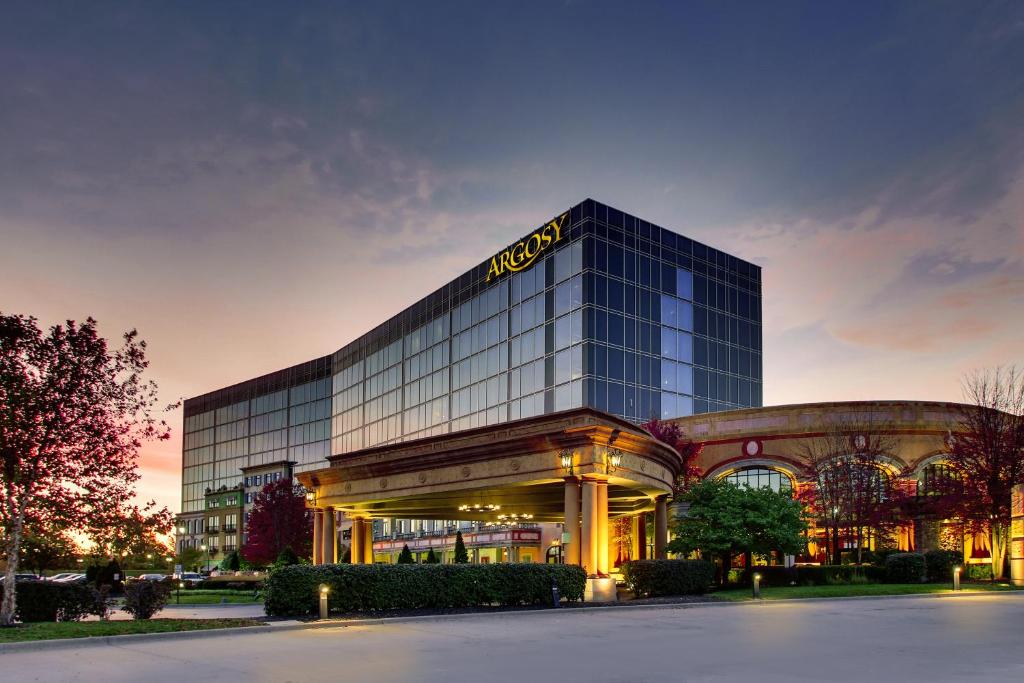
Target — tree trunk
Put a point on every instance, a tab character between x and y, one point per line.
10	589
999	533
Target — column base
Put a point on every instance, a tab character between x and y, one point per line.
600	590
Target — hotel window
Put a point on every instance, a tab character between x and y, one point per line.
938	479
760	477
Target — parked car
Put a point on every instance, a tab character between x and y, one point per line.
188	578
60	577
70	578
150	577
26	577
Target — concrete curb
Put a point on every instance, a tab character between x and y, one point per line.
292	625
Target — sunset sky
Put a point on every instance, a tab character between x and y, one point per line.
252	186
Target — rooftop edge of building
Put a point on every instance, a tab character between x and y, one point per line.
588	208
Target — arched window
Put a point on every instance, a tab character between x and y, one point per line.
847	484
938	479
760	477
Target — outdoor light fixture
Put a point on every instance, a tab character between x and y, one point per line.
181	530
757	585
324	590
310	496
479	508
566	456
956	577
614	456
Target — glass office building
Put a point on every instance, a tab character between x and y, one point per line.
595	308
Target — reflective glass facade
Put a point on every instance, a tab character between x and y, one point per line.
612	312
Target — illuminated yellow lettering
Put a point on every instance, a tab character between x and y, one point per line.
531	254
494	271
558	226
525	252
515	257
545	237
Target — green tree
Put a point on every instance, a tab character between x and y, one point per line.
232	562
405	557
724	519
432	558
286	558
189	559
461	554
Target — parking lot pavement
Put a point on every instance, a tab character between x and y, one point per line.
975	638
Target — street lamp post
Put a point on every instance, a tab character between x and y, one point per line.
206	549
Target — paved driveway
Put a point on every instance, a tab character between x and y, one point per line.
975	638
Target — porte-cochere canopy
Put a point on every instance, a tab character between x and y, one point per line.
519	468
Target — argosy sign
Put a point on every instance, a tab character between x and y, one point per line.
525	252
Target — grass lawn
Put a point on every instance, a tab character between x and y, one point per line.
213	597
854	590
83	629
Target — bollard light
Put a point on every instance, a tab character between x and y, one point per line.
324	590
757	585
956	577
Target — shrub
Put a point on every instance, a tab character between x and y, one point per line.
287	558
939	564
432	558
905	568
45	601
811	575
979	572
231	563
405	557
239	583
837	574
294	591
650	578
143	599
461	554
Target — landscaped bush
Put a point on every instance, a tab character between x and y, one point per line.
143	599
239	583
905	568
650	578
939	564
295	590
979	572
810	575
45	601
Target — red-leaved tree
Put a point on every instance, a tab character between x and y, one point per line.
673	435
986	454
279	520
73	415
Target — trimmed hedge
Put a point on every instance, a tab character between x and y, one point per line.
652	578
979	572
814	575
45	601
905	568
294	591
939	564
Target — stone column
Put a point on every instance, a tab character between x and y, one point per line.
318	535
571	550
588	542
660	527
330	533
603	561
367	541
356	542
641	536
